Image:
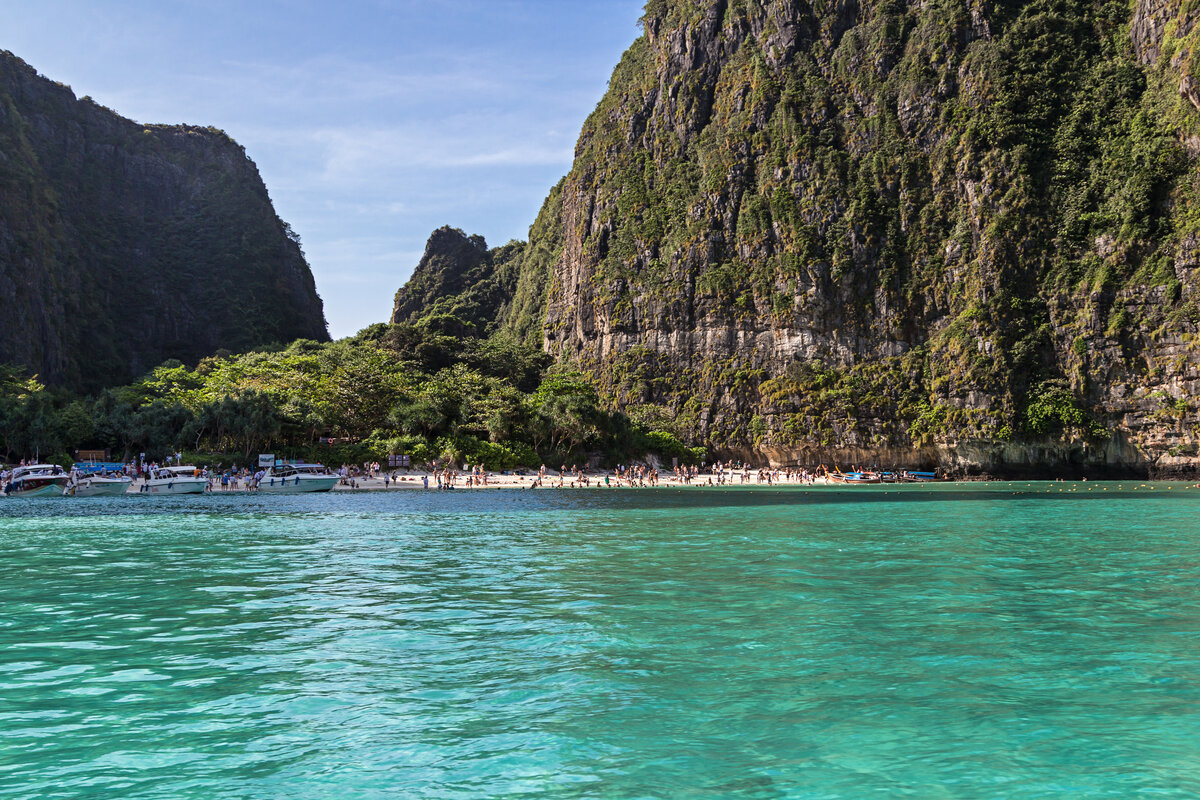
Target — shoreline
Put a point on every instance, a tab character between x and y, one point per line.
413	482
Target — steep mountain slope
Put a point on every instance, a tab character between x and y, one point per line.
122	245
460	282
952	232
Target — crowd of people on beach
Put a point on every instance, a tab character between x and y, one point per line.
724	474
448	476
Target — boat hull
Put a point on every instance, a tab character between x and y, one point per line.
175	486
849	480
98	488
300	485
38	486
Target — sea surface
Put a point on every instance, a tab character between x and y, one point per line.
968	641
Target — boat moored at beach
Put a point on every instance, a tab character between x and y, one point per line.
87	480
295	478
36	480
859	477
923	477
854	478
176	480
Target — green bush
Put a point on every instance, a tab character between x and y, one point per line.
496	456
667	445
417	448
1054	410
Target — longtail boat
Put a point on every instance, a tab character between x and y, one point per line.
923	477
853	477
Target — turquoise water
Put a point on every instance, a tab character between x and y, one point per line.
949	642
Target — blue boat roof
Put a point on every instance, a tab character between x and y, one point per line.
97	466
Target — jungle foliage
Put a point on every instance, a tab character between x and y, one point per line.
392	389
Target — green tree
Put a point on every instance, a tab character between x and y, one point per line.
564	413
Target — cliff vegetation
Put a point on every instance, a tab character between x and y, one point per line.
405	389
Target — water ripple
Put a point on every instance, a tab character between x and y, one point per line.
948	643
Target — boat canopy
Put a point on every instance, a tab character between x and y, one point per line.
287	470
38	469
92	467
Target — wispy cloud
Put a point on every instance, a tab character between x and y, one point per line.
352	154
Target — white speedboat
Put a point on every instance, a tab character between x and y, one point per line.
96	484
294	478
36	480
175	480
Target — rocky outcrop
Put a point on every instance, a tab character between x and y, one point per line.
1167	27
460	286
122	245
1149	26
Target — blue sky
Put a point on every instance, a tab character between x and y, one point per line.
373	122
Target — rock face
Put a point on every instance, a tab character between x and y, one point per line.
953	232
122	245
1166	27
462	287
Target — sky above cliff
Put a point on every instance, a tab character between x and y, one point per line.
373	122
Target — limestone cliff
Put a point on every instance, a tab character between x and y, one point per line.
952	231
122	245
459	282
